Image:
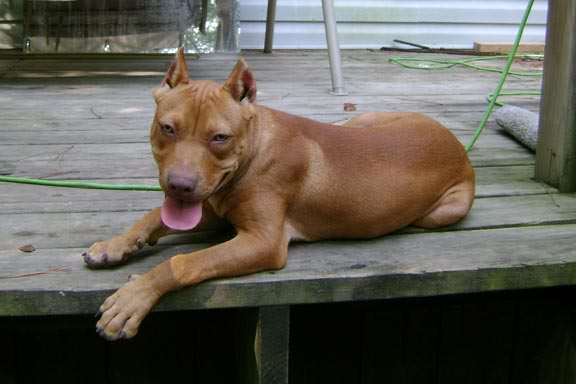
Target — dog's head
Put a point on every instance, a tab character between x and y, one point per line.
200	137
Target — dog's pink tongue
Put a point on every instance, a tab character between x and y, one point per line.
180	215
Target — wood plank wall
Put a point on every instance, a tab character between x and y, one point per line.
504	338
499	338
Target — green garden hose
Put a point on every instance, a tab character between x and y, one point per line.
80	184
444	63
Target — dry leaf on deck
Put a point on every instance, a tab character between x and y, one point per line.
349	107
27	248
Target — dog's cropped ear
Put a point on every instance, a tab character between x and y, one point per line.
241	83
178	71
176	74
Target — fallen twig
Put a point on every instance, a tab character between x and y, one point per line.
30	274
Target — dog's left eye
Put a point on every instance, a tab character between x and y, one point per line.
167	129
220	138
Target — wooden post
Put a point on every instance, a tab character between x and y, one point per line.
272	344
556	151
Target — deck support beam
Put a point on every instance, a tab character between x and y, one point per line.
556	151
272	344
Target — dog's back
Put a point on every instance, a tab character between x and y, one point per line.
376	174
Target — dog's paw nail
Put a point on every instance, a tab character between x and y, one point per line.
105	258
109	337
97	315
122	335
140	243
104	335
84	254
133	276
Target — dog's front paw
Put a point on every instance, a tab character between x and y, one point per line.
112	252
123	311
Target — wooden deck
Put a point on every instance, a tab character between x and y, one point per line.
88	117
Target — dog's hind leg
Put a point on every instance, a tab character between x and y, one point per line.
450	208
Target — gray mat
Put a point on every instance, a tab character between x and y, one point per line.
520	123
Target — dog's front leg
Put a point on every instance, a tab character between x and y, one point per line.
148	230
118	249
246	253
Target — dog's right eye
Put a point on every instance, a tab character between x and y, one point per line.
167	129
220	138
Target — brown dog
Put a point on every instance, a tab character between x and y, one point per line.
276	178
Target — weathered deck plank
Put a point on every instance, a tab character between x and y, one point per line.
79	224
145	168
140	149
119	131
23	199
120	108
19	198
390	267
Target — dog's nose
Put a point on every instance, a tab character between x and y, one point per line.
183	185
